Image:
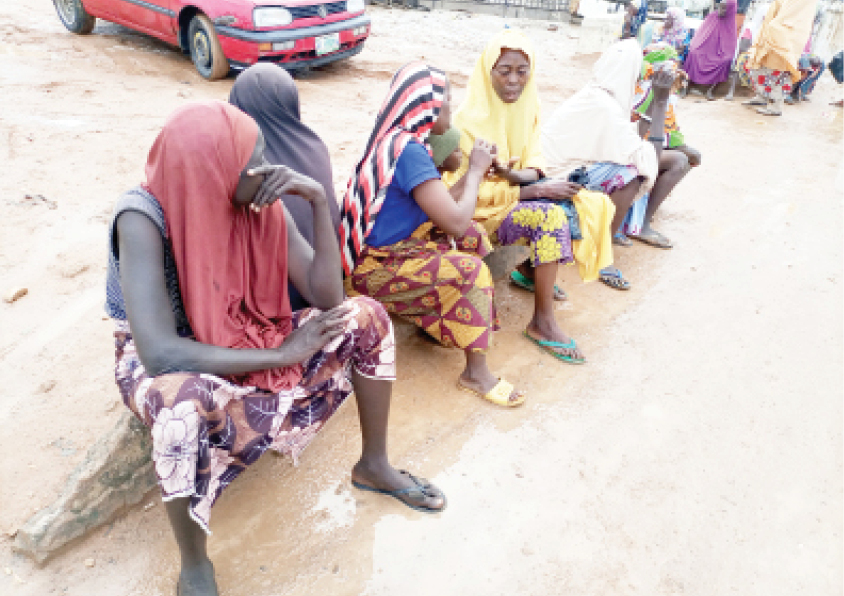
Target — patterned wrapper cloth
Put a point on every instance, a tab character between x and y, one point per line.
437	283
206	430
543	227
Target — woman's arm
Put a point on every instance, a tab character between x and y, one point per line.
316	272
454	215
661	87
153	324
515	177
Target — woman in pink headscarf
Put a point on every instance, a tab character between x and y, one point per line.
713	47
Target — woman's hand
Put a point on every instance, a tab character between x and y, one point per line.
311	337
281	180
557	189
661	83
482	156
504	171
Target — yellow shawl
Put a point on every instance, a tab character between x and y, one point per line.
514	128
786	28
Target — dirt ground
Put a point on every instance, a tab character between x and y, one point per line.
699	452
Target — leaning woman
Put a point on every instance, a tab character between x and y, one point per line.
269	95
409	243
210	355
592	129
519	205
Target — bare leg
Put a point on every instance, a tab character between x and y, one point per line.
197	575
732	81
526	269
478	377
622	199
374	469
710	92
673	166
543	325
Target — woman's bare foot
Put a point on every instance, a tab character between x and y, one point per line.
382	476
486	383
197	580
477	377
550	331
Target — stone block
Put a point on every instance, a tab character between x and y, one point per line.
504	259
116	473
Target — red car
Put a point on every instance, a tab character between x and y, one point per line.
224	34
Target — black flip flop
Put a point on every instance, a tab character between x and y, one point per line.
423	488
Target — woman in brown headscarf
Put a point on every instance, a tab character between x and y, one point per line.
269	95
210	355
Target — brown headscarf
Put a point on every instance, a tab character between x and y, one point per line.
232	262
268	94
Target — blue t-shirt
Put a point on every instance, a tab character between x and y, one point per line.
400	215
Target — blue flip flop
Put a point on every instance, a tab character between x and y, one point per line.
422	488
613	278
544	345
527	284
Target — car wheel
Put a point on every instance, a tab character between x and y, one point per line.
205	49
74	16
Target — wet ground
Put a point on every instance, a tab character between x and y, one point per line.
698	452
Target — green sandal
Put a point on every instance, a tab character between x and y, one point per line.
544	345
527	284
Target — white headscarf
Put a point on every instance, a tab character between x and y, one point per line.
594	124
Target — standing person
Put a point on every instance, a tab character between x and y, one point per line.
518	205
773	59
268	94
593	128
713	48
210	356
410	244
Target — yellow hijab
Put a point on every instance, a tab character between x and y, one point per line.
786	28
514	128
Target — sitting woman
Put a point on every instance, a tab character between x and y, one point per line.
210	355
713	48
268	94
410	244
518	205
659	56
593	128
675	33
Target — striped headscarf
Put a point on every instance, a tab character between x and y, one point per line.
408	113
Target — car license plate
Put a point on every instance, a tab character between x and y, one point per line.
327	44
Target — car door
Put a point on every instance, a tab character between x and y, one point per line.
150	16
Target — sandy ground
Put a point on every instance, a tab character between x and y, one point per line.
699	452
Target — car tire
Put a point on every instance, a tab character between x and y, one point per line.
74	16
205	49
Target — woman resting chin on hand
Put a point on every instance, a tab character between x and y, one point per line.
210	355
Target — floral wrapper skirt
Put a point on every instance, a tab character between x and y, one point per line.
773	85
437	283
609	177
207	430
543	227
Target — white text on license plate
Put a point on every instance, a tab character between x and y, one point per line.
327	44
